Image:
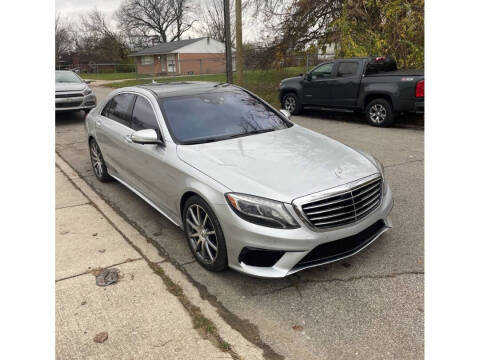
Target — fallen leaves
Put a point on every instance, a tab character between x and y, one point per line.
101	337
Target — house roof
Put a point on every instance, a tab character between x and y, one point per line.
165	48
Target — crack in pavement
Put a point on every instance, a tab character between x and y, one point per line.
299	281
71	206
362	277
404	163
106	267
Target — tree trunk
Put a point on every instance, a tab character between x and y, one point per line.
239	52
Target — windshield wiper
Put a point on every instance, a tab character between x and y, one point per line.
260	131
220	138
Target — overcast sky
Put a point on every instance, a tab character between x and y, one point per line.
73	9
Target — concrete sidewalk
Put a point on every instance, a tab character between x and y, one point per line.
153	312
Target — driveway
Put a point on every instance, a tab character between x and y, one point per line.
367	307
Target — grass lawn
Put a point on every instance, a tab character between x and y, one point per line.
108	76
261	82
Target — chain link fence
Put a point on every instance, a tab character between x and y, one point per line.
190	64
263	69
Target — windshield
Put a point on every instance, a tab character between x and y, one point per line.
218	116
66	77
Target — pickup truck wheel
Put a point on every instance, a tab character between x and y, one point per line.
290	102
379	113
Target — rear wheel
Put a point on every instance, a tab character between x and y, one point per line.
204	235
291	103
98	164
379	113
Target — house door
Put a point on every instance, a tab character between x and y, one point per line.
171	65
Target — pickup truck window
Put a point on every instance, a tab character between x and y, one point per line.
322	71
347	69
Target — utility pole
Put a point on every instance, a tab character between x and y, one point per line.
228	42
238	36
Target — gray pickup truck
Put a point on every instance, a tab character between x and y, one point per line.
371	85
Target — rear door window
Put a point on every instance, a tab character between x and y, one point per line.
346	69
143	116
120	108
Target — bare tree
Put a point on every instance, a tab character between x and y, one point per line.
212	20
97	40
168	19
63	37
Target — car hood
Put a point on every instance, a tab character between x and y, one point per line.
69	86
281	165
293	79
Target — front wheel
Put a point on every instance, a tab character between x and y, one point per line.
204	235
379	113
291	103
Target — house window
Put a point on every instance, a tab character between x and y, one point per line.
171	65
147	60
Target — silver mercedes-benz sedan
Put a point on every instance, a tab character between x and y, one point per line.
72	93
251	190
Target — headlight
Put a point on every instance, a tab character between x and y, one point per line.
261	211
87	91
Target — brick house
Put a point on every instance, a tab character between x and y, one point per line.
187	57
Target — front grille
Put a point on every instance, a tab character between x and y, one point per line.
62	96
68	104
341	248
345	207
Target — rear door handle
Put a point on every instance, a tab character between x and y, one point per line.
99	123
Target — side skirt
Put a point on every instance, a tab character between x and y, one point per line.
147	200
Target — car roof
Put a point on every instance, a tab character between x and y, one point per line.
178	88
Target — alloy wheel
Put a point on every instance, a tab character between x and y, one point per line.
377	113
290	103
96	157
201	233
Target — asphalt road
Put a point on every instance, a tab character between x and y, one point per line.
370	306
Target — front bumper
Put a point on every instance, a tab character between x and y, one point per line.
286	248
76	103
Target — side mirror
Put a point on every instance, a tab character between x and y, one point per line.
87	81
301	74
145	136
308	76
286	113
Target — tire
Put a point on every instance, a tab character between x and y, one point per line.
379	113
98	164
204	236
291	103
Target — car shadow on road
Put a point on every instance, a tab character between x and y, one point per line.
69	117
405	121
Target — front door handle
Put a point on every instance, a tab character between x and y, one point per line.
128	138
